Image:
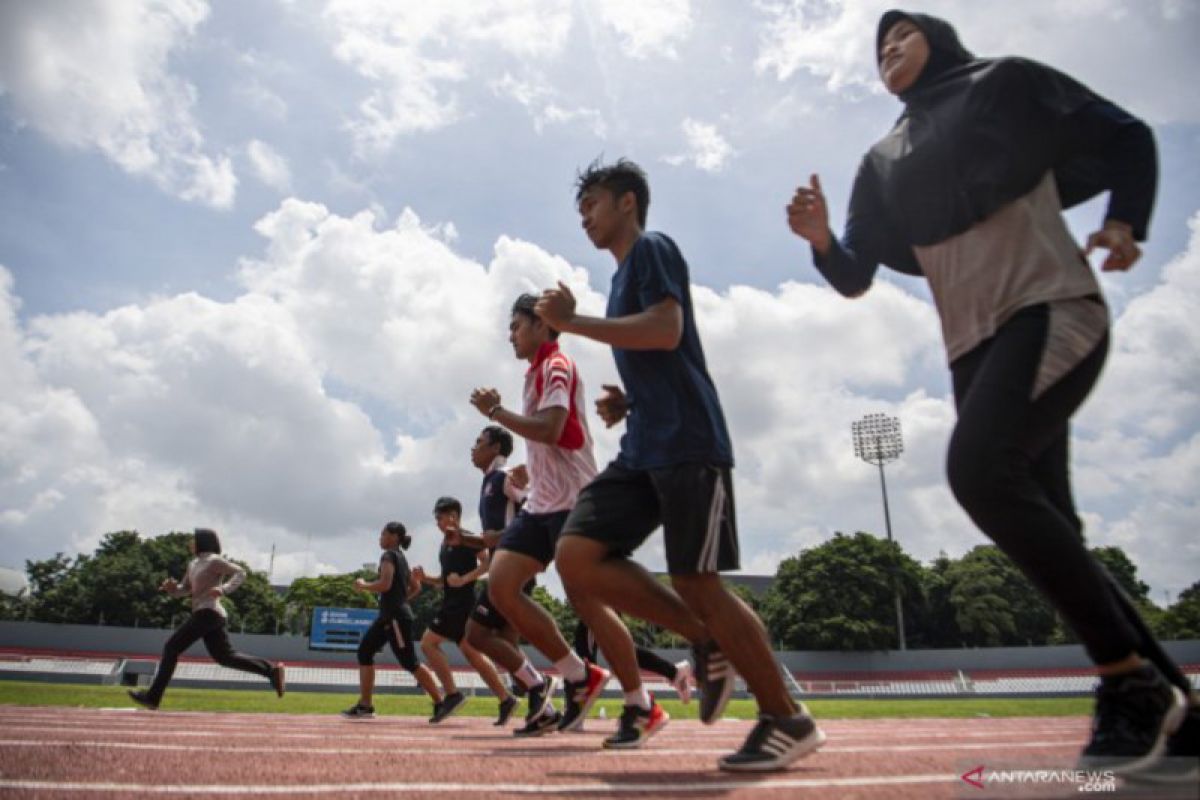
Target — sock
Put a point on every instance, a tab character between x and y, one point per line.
571	667
638	697
527	675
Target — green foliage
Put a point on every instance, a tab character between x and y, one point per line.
118	585
1123	571
330	591
1182	619
995	604
840	595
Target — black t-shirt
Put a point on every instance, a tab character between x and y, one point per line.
457	559
394	602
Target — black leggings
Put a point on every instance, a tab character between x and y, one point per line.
397	632
1008	468
208	625
587	649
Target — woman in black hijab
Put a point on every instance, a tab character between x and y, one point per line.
968	189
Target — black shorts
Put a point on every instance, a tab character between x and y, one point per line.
451	622
534	535
485	612
396	631
693	503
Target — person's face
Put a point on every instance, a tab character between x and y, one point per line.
526	334
903	53
484	452
388	541
447	521
603	216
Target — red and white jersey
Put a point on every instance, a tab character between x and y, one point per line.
557	472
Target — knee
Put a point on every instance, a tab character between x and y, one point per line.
408	660
700	593
428	646
575	559
975	475
477	636
365	657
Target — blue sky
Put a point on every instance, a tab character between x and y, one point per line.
254	256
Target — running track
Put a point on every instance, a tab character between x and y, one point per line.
111	753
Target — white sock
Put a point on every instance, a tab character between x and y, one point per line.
527	675
639	697
571	667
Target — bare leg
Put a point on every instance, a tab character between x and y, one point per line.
499	646
431	646
366	683
486	669
613	639
509	572
426	681
741	636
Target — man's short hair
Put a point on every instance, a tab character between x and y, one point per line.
618	178
447	504
497	435
524	305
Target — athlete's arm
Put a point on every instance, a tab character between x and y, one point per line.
386	573
545	426
659	327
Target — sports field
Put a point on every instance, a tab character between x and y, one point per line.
72	741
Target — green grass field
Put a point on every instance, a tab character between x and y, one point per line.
246	701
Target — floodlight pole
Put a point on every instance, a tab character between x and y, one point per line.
870	434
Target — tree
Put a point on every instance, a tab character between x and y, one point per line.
1123	571
1182	619
938	626
329	591
840	596
994	602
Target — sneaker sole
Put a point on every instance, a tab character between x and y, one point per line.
520	734
806	746
358	718
722	702
645	737
588	702
1171	720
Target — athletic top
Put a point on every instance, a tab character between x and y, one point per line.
496	506
675	415
394	602
457	559
205	573
557	472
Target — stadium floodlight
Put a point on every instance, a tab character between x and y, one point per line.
878	441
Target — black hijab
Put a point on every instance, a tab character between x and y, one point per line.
975	135
207	541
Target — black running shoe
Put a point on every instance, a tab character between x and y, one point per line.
540	696
637	725
539	726
774	743
278	679
1135	714
359	711
580	696
437	710
143	700
450	703
715	678
1181	765
506	708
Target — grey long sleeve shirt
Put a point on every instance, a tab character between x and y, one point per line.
206	572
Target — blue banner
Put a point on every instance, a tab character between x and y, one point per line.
339	628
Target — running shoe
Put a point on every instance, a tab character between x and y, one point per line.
539	726
359	711
451	703
540	696
636	726
1135	715
507	705
143	700
715	678
580	696
774	743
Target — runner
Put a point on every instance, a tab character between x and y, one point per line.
968	190
461	566
208	578
674	469
394	625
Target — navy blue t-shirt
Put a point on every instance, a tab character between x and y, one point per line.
493	502
675	415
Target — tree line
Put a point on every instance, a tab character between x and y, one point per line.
838	595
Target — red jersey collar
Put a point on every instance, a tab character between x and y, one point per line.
544	352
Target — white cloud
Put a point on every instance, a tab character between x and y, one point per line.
835	43
647	28
707	149
544	104
415	51
269	166
95	76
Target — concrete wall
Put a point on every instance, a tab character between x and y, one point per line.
148	642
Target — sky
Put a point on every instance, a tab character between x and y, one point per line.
255	256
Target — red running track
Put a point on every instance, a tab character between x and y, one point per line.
85	753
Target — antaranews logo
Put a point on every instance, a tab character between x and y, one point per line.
974	776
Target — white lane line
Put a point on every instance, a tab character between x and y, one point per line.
434	751
487	789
